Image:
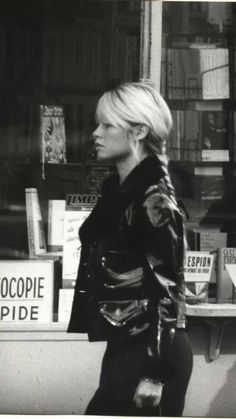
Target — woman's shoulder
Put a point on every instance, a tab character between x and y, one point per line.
160	207
159	195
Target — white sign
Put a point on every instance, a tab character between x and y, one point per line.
56	214
231	269
26	291
65	304
198	266
72	246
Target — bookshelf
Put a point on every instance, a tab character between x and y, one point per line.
197	80
198	83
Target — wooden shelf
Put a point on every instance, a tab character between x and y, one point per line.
211	310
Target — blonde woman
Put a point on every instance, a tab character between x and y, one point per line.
130	288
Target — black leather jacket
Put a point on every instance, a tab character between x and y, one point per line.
130	277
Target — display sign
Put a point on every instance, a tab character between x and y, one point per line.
26	291
78	208
198	266
71	242
197	273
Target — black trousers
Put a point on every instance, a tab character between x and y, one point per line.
120	374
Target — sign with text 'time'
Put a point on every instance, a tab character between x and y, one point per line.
26	291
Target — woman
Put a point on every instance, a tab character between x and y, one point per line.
130	288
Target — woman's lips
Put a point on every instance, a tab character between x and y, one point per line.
97	146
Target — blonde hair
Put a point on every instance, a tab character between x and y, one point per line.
138	103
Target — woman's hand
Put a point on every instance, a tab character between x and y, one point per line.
148	393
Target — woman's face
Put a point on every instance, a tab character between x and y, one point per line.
111	142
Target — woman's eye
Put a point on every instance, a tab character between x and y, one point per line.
106	125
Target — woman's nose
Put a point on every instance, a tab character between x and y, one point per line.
97	132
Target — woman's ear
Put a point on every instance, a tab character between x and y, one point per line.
140	131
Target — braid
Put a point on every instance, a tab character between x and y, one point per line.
171	190
169	184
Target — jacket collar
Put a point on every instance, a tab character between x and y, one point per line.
148	172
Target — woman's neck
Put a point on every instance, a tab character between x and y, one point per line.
124	167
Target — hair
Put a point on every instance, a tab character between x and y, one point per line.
129	104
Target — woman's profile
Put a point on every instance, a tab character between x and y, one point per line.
130	286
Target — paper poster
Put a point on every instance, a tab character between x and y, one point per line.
56	214
65	305
53	136
72	246
198	266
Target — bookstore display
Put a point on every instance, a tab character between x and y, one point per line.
55	60
198	68
54	63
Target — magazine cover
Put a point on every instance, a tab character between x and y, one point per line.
52	133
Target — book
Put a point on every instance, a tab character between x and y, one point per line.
211	187
78	208
56	213
35	229
26	291
197	273
199	135
198	73
224	285
215	73
65	304
214	136
211	240
52	134
208	171
215	155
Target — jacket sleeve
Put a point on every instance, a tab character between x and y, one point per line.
159	225
166	249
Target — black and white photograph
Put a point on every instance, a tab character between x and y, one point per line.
118	208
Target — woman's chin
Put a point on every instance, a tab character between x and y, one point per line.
101	157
